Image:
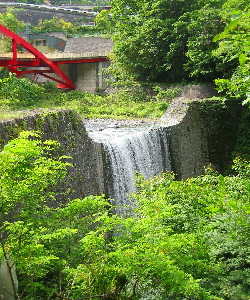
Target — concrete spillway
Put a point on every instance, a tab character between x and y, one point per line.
142	150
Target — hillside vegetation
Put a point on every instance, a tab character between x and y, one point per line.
185	239
21	94
168	41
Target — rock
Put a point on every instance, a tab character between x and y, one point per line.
7	291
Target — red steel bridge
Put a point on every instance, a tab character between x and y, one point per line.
32	61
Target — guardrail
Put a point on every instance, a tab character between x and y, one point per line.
56	55
49	8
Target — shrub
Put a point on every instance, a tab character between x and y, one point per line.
19	92
185	240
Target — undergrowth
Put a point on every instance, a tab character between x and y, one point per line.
22	95
185	239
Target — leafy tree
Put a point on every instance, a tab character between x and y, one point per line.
27	171
201	26
234	44
9	19
185	240
42	241
168	38
55	24
19	92
104	22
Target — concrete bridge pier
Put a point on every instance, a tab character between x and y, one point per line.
86	76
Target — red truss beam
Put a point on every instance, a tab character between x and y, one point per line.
40	60
34	62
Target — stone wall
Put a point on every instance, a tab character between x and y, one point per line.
200	133
85	177
187	139
222	129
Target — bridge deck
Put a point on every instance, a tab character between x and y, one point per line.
35	62
56	56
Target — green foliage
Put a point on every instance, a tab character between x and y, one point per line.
124	104
9	20
55	25
166	94
188	239
27	170
172	39
37	237
185	240
202	25
86	30
237	86
19	92
27	173
68	28
234	45
3	73
104	22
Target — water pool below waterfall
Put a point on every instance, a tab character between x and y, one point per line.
130	150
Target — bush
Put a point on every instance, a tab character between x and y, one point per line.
19	92
234	46
185	240
166	94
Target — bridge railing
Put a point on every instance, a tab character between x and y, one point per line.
56	55
49	8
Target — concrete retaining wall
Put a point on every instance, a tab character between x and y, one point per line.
87	76
85	177
201	132
187	139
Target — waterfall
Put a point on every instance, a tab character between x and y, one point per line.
142	150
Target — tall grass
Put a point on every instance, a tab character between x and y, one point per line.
22	95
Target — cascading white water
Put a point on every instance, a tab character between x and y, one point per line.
142	150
